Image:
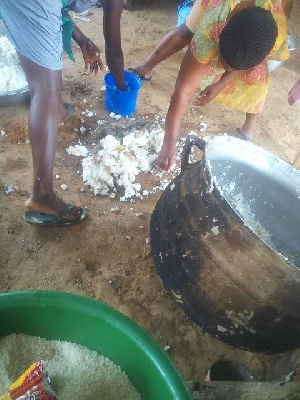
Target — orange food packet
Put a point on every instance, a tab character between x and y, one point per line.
34	383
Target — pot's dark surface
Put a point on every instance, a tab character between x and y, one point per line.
225	240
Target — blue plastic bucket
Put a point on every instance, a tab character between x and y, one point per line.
183	12
122	102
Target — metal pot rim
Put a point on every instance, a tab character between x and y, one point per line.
14	92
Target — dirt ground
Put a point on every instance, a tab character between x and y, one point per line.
108	256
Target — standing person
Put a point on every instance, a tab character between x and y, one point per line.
34	27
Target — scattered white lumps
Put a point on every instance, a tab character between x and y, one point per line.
9	189
12	76
75	371
115	116
101	122
203	127
77	150
87	113
117	162
64	186
113	164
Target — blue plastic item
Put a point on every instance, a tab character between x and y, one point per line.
184	10
122	102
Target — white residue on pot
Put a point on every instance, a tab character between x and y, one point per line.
222	329
213	178
241	319
242	208
12	77
177	297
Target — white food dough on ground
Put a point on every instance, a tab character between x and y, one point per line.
12	77
117	162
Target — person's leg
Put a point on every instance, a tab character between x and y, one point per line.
175	40
44	116
249	125
189	76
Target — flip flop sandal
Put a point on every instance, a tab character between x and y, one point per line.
70	109
240	135
37	218
138	75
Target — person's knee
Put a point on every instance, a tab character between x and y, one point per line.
184	32
40	79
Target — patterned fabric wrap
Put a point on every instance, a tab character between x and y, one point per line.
248	91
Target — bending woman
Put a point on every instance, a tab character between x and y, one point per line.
227	58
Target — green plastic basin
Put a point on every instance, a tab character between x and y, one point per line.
63	316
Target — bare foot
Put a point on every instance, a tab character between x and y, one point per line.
53	205
167	155
244	136
249	126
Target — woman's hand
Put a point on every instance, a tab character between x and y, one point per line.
167	155
208	94
91	56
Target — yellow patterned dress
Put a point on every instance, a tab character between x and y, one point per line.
248	91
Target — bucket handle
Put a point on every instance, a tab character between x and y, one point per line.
191	140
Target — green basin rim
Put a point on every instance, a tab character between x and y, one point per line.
153	354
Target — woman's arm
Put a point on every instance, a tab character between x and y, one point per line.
112	10
190	74
90	52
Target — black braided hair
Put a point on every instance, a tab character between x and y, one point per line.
247	38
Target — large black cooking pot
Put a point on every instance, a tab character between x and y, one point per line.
225	240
